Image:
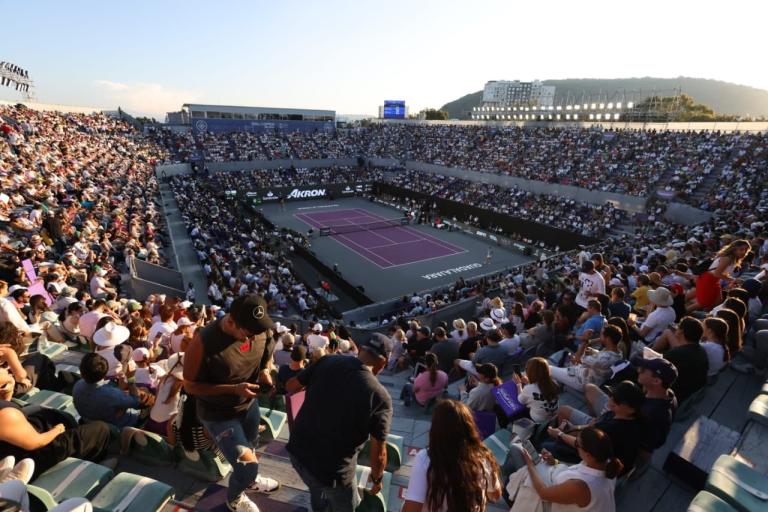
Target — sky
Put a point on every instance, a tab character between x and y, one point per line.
150	57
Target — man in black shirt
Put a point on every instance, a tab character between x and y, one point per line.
446	350
656	376
222	366
345	406
689	358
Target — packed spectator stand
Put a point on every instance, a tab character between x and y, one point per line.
633	162
79	198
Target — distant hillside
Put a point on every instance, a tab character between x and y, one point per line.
723	97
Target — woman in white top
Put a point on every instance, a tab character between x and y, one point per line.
708	285
456	471
587	486
537	391
168	397
714	343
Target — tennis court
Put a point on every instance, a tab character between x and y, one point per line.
386	247
391	261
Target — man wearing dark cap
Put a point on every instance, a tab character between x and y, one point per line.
222	368
656	376
345	406
620	421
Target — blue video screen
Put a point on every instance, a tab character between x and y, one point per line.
394	109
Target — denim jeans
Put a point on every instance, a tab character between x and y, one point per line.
234	437
327	498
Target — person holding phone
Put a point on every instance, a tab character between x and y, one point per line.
223	366
588	485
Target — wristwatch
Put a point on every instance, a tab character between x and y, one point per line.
376	481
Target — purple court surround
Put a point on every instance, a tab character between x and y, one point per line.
386	247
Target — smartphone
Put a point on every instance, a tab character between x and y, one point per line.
528	446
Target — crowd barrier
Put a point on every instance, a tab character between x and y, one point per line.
147	279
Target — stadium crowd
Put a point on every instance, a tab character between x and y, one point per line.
635	162
638	324
569	214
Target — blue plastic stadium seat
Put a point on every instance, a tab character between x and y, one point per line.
50	399
202	464
371	503
395	450
73	478
758	409
498	443
738	484
52	349
274	421
132	493
708	502
151	448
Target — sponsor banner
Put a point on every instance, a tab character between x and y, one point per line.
301	193
259	126
451	271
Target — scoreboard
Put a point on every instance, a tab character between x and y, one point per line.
394	109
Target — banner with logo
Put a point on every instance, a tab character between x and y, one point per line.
506	397
301	193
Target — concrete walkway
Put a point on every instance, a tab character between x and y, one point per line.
185	254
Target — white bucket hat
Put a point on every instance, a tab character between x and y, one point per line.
499	315
660	296
111	335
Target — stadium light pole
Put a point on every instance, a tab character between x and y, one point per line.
12	75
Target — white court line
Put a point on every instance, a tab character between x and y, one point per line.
396	243
392	265
313	223
424	236
365	249
318	206
429	259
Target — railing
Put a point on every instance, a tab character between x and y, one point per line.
148	279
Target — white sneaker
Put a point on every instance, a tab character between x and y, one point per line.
243	504
23	471
6	465
264	484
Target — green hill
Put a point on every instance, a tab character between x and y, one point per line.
723	97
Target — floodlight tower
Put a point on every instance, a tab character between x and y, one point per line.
14	76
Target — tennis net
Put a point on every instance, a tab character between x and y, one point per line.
366	226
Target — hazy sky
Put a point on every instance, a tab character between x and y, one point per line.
152	56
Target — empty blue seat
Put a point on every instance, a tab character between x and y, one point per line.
132	493
73	478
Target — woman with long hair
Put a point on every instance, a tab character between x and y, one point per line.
708	288
456	472
37	307
626	342
587	486
518	317
537	390
68	327
715	344
735	332
480	398
429	384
